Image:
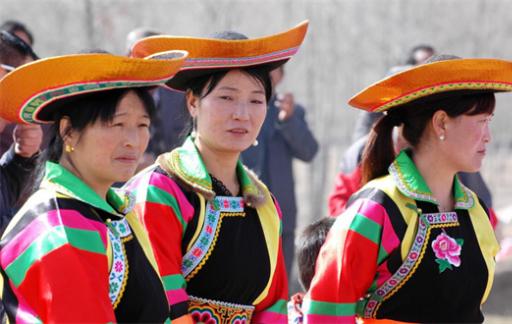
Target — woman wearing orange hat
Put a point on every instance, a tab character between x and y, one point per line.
75	252
214	227
414	244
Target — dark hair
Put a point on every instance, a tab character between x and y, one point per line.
85	110
308	247
13	50
204	85
13	26
379	153
411	60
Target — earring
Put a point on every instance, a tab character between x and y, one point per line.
441	137
255	143
68	148
193	133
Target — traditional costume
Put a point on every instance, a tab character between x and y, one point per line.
392	255
69	255
219	253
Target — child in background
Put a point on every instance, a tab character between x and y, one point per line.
308	247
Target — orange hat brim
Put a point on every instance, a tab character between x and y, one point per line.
29	91
209	54
468	75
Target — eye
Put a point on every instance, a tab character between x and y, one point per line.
144	125
229	98
257	101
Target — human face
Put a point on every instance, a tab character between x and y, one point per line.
105	153
229	118
466	139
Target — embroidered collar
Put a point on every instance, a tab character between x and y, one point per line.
186	163
410	183
64	182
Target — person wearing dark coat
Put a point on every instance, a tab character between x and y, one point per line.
285	135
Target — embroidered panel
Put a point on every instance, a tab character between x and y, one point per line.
425	224
118	232
200	250
212	311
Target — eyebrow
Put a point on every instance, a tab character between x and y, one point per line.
146	115
235	89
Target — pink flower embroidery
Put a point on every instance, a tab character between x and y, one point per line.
447	251
118	266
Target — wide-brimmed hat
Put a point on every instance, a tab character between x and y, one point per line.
207	55
32	92
437	79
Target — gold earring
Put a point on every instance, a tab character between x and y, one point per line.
68	148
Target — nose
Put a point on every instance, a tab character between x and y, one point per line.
132	137
241	111
487	133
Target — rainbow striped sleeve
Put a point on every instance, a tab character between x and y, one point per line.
164	212
346	267
55	267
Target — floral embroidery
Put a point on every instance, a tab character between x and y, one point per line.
426	223
118	232
206	239
215	312
447	251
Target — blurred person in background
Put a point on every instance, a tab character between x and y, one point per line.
19	160
308	246
19	29
284	136
20	40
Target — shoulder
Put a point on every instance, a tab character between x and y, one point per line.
153	182
47	223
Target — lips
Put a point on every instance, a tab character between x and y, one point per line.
128	158
238	131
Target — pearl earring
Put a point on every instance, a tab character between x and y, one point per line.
255	143
442	137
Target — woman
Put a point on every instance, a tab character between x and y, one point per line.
214	227
74	252
415	245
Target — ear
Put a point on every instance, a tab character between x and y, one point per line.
440	121
192	103
65	132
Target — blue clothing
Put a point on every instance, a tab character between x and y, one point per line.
278	144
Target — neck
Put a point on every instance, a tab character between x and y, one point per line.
222	165
100	188
438	176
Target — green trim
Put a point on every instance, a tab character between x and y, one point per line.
428	91
411	183
63	181
53	239
159	196
279	307
366	227
382	255
326	308
189	165
45	97
173	282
